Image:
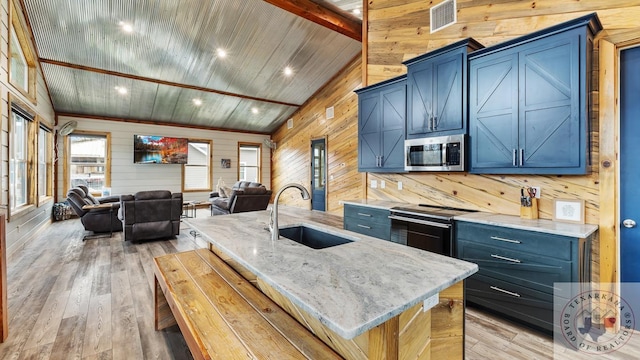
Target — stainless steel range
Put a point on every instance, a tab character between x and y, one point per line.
426	227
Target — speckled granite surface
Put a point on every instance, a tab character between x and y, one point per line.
350	288
539	225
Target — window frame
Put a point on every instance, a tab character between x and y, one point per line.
209	167
66	168
259	159
31	119
48	163
18	25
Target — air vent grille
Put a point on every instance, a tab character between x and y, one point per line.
443	15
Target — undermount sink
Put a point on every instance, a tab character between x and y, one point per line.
313	238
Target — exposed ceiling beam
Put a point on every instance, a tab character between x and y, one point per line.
322	16
162	82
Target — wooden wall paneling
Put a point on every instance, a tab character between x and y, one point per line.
291	159
4	315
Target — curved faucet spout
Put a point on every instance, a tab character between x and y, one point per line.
273	218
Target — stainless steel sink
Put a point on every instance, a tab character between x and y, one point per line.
313	238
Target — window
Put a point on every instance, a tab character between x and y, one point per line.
196	173
88	162
249	162
44	163
18	163
22	64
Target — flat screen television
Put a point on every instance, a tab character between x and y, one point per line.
149	149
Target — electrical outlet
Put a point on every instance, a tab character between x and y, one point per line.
399	185
374	184
430	302
383	184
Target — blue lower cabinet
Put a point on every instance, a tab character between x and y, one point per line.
518	269
368	221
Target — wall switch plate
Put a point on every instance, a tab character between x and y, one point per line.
430	303
383	184
399	185
374	184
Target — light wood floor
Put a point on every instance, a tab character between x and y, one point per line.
70	299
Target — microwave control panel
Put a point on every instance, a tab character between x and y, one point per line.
453	154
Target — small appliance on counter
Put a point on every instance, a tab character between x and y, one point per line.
439	153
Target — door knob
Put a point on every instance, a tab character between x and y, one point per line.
629	223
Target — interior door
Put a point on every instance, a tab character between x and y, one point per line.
318	174
629	173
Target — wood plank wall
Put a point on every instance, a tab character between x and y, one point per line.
292	158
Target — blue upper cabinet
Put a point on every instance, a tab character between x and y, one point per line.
529	102
381	126
436	91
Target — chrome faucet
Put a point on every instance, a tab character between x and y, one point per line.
273	218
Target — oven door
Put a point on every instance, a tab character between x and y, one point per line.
423	234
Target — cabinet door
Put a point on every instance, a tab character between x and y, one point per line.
493	111
448	75
420	107
392	127
549	103
369	146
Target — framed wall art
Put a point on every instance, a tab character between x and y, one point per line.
225	163
568	210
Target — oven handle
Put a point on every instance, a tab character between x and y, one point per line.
423	222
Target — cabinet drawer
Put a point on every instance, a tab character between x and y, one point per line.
367	214
527	305
540	244
377	230
521	268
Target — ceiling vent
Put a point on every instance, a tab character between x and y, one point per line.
443	15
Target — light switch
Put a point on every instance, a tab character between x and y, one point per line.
374	184
399	185
382	184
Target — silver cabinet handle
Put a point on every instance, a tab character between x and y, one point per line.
521	157
505	258
364	226
434	127
363	214
506	240
381	160
504	291
513	157
629	223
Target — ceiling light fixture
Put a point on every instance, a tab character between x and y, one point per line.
126	27
197	102
121	89
254	110
288	71
221	53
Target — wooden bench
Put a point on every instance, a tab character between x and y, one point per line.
222	316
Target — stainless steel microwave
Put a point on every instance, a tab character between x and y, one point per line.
441	153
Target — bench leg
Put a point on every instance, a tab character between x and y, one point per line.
163	316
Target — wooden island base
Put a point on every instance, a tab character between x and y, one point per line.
437	333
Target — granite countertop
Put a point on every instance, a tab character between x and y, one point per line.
539	225
351	288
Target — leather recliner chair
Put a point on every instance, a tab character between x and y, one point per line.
150	215
100	220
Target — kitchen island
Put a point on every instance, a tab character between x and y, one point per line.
366	299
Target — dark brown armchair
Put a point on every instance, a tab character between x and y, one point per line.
98	220
150	215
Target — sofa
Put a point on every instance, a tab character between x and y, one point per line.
97	220
243	196
148	215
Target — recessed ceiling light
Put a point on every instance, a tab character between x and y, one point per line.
288	71
121	89
356	11
221	53
254	110
197	102
126	27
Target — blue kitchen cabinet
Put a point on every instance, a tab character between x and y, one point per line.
519	270
436	91
529	108
381	126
